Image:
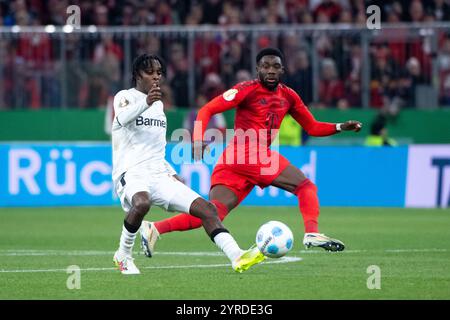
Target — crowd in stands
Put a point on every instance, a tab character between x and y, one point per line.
37	72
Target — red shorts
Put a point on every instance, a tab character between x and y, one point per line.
241	178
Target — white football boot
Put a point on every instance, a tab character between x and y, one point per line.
149	236
322	241
125	264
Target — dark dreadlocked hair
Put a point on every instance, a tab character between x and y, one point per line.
144	62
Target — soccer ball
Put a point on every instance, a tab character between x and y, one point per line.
274	239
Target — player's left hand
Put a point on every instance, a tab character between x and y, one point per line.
351	125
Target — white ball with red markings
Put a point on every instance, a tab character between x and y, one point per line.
274	239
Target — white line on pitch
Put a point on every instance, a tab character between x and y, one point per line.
26	252
280	260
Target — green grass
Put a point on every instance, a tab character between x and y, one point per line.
411	247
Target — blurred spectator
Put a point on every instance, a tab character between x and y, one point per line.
241	76
444	72
7	53
164	14
328	11
147	43
167	96
101	15
36	61
299	76
195	16
107	58
127	16
207	51
415	75
217	121
416	12
331	88
445	92
306	18
213	8
345	16
236	57
440	9
97	91
177	75
379	134
213	86
231	15
352	96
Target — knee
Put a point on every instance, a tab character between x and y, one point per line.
204	209
312	186
141	205
305	186
211	209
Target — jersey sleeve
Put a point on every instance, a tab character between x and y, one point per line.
304	117
228	100
127	109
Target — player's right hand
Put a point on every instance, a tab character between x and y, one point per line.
154	94
198	148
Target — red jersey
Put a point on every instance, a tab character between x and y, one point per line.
259	114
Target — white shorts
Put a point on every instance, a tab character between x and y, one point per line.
165	191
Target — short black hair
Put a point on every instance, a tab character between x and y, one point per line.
144	62
269	52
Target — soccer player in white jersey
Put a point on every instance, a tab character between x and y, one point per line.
142	177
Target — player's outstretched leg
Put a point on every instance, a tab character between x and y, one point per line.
240	260
309	207
293	180
151	231
149	236
123	256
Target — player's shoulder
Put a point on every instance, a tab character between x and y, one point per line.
288	92
246	84
239	90
126	92
124	97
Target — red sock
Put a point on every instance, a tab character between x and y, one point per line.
306	193
184	221
180	222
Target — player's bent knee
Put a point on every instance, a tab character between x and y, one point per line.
211	210
203	209
306	186
141	204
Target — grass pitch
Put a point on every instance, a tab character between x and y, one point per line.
410	247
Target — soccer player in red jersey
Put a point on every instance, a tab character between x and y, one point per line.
247	160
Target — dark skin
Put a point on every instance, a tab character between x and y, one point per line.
269	69
148	83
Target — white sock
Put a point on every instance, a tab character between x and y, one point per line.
126	242
228	245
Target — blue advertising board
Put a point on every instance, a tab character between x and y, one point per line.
55	174
73	174
345	176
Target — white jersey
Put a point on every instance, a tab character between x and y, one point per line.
138	134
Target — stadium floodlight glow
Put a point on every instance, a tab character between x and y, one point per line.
67	28
92	29
15	28
50	28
